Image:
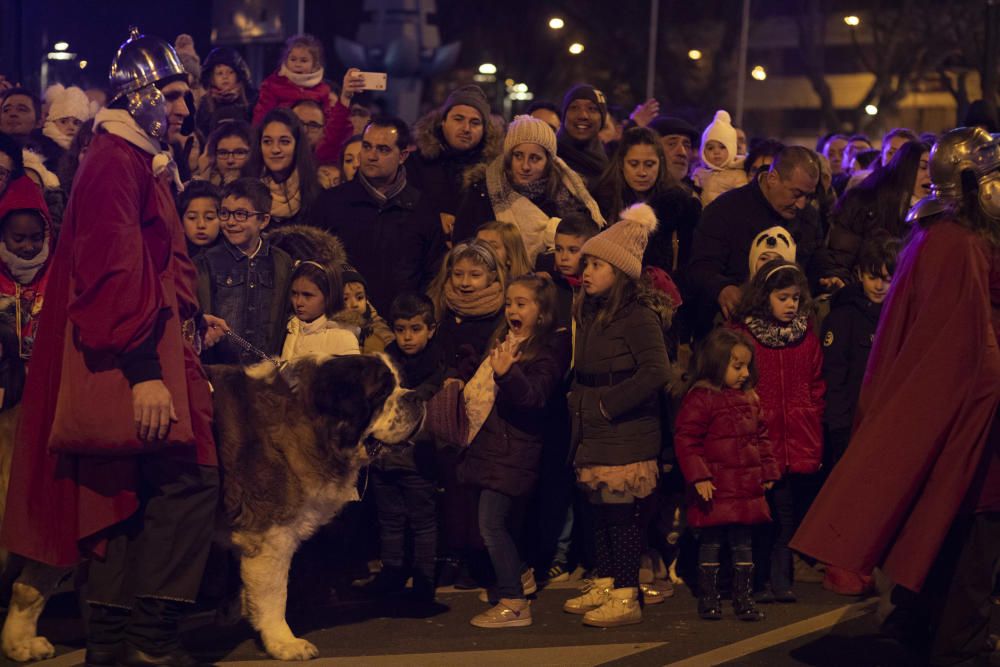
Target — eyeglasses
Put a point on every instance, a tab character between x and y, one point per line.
239	152
5	173
239	215
313	126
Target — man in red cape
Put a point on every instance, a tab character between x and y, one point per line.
918	492
116	344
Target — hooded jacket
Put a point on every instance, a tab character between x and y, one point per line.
20	279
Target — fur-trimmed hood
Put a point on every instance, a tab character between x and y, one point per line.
430	144
303	242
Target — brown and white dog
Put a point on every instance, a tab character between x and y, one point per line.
289	451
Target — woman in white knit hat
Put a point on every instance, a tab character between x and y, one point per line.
69	109
528	185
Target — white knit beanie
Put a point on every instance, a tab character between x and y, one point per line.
720	129
623	244
777	240
69	103
529	130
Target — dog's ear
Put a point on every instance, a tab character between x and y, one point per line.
339	392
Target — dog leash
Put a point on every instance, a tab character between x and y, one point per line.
249	347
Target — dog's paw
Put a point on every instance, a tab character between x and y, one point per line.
297	649
32	648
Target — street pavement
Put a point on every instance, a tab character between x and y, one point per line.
822	629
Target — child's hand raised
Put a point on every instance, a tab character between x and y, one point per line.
503	357
705	489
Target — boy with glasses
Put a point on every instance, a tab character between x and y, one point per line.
244	280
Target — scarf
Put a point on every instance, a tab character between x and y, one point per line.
537	229
480	393
307	80
589	158
286	197
24	270
477	304
121	124
55	134
773	334
394	189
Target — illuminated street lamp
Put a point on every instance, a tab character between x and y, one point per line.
83	64
758	73
61	46
556	23
576	48
694	54
871	109
487	68
852	21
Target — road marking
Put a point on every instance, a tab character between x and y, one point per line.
779	636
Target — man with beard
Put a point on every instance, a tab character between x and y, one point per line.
917	493
135	490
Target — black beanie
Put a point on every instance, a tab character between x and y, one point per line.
470	95
584	91
352	276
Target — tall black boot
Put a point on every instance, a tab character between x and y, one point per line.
152	635
743	603
709	603
105	634
781	574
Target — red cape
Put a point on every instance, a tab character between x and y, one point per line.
927	408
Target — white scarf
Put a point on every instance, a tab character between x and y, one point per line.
51	131
307	80
121	124
537	229
24	270
480	393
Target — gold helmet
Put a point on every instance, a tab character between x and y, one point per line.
141	62
957	151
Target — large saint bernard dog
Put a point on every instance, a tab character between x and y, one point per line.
290	447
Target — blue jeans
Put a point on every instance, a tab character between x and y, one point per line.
403	496
500	517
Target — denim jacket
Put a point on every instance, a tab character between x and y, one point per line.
250	294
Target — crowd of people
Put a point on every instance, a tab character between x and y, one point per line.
657	336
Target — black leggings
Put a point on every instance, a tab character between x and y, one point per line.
710	542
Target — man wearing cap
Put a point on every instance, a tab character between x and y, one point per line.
114	458
584	109
454	144
679	139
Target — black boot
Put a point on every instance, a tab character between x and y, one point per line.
781	575
709	604
105	635
152	635
743	603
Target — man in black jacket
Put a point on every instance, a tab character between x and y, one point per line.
390	237
729	224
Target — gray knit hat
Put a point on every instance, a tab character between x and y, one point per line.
623	244
470	95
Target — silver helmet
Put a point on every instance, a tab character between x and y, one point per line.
140	63
957	151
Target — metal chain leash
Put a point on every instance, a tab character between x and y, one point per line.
249	347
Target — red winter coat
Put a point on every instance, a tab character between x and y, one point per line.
120	276
278	91
791	389
926	438
721	435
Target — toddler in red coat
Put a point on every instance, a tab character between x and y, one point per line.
723	449
776	310
300	77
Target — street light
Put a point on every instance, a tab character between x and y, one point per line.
487	68
556	23
576	48
694	54
852	21
83	64
61	46
758	73
871	109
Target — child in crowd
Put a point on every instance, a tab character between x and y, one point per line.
312	330
228	153
26	247
848	332
572	233
198	206
69	109
244	280
229	94
403	478
722	446
300	76
375	333
468	296
505	239
721	168
524	367
771	244
621	367
776	310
